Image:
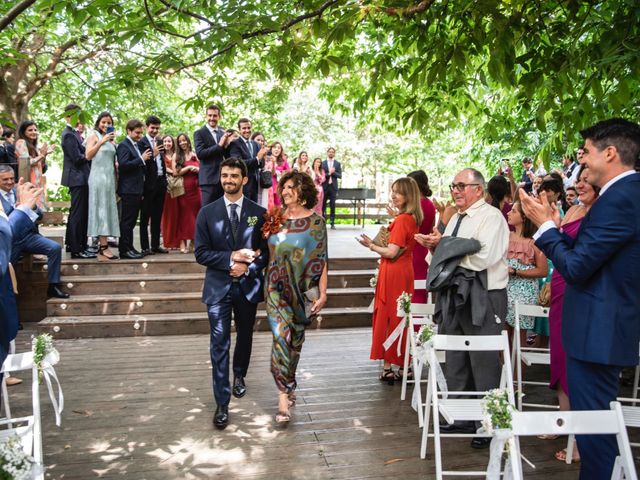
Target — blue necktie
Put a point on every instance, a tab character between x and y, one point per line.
235	221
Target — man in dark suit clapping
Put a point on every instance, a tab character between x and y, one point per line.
230	244
250	152
155	188
333	172
600	321
131	169
75	175
211	144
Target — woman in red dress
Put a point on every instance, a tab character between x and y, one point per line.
420	265
396	273
170	210
186	164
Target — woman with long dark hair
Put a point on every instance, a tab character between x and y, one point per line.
32	158
185	163
171	210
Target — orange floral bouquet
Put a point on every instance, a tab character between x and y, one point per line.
273	220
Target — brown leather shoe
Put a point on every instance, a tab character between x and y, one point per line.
12	381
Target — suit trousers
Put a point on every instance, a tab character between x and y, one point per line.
474	371
130	208
211	193
592	386
77	223
36	243
151	210
244	313
329	196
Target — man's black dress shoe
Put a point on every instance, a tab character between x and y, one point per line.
239	388
54	291
131	254
480	442
159	250
221	418
458	427
83	255
147	251
92	249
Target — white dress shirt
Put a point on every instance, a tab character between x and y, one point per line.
486	224
158	158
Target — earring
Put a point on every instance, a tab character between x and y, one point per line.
303	203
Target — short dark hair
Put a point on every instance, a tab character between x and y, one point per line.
153	120
71	109
423	182
243	120
133	124
618	132
213	106
303	184
235	162
527	160
256	134
100	117
571	188
498	188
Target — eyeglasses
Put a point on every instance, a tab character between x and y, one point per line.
461	186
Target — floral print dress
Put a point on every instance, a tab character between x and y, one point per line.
521	256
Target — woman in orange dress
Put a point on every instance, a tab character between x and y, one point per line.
170	213
396	273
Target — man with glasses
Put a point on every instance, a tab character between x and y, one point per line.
475	219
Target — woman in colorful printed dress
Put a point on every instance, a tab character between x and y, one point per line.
32	158
526	265
396	273
297	268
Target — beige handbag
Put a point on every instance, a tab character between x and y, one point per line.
175	185
382	240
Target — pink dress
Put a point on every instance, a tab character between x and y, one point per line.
280	169
318	179
420	265
558	356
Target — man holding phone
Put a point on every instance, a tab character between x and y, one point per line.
155	187
75	175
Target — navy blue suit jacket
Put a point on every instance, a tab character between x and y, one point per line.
601	310
336	175
214	245
75	166
210	155
131	169
240	150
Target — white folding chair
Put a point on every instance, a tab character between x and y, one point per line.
631	415
24	428
460	409
636	380
591	422
528	355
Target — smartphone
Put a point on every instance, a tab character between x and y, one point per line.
160	144
110	129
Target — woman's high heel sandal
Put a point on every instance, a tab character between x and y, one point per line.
104	258
388	376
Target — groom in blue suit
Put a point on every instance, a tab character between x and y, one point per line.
230	244
601	309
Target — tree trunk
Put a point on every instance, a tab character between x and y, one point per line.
14	106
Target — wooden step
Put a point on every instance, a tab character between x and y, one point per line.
148	303
187	282
179	323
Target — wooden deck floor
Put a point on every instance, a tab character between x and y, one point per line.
141	408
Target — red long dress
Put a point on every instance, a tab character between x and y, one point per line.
189	204
420	265
394	278
170	216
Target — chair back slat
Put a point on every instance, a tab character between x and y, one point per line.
597	422
531	310
17	362
471	343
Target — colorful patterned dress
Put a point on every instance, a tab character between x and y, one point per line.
521	256
297	254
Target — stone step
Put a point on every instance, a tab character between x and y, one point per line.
149	303
179	323
172	263
187	282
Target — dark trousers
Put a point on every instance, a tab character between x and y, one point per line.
151	210
211	193
474	371
130	208
329	196
77	223
244	313
36	243
592	386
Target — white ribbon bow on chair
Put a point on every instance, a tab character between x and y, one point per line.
423	352
48	372
500	438
397	334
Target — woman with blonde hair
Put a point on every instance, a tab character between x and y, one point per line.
396	272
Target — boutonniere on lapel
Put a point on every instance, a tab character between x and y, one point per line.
251	221
273	221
